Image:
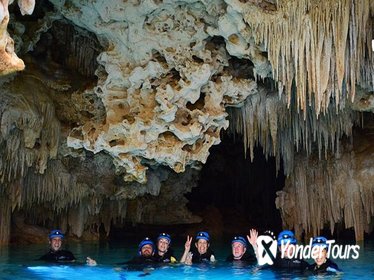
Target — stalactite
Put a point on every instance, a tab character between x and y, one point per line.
58	195
333	187
163	87
267	121
56	187
29	132
29	137
328	192
41	185
80	48
80	205
323	45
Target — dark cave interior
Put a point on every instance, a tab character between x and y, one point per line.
243	191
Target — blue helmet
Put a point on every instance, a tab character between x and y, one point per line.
202	235
286	236
165	236
56	233
239	239
320	241
146	241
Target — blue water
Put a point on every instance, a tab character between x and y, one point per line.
19	262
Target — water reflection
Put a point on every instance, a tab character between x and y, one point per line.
18	262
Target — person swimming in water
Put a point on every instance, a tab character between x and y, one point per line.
164	254
202	253
239	252
56	254
146	251
287	241
322	264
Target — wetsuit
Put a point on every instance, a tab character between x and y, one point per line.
197	258
246	259
139	263
328	266
290	264
58	256
168	257
141	260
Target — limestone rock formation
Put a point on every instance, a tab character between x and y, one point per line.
122	100
321	46
167	64
364	101
266	120
29	138
164	92
332	191
9	62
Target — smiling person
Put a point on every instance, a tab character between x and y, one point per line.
202	253
322	264
56	254
164	254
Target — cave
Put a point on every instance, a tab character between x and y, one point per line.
242	191
120	117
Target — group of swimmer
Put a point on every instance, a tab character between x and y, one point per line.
161	252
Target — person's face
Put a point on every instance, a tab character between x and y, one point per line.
320	257
146	250
238	250
56	243
202	246
162	245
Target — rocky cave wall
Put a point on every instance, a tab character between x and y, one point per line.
121	101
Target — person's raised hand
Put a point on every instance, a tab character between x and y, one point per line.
187	245
90	262
252	237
